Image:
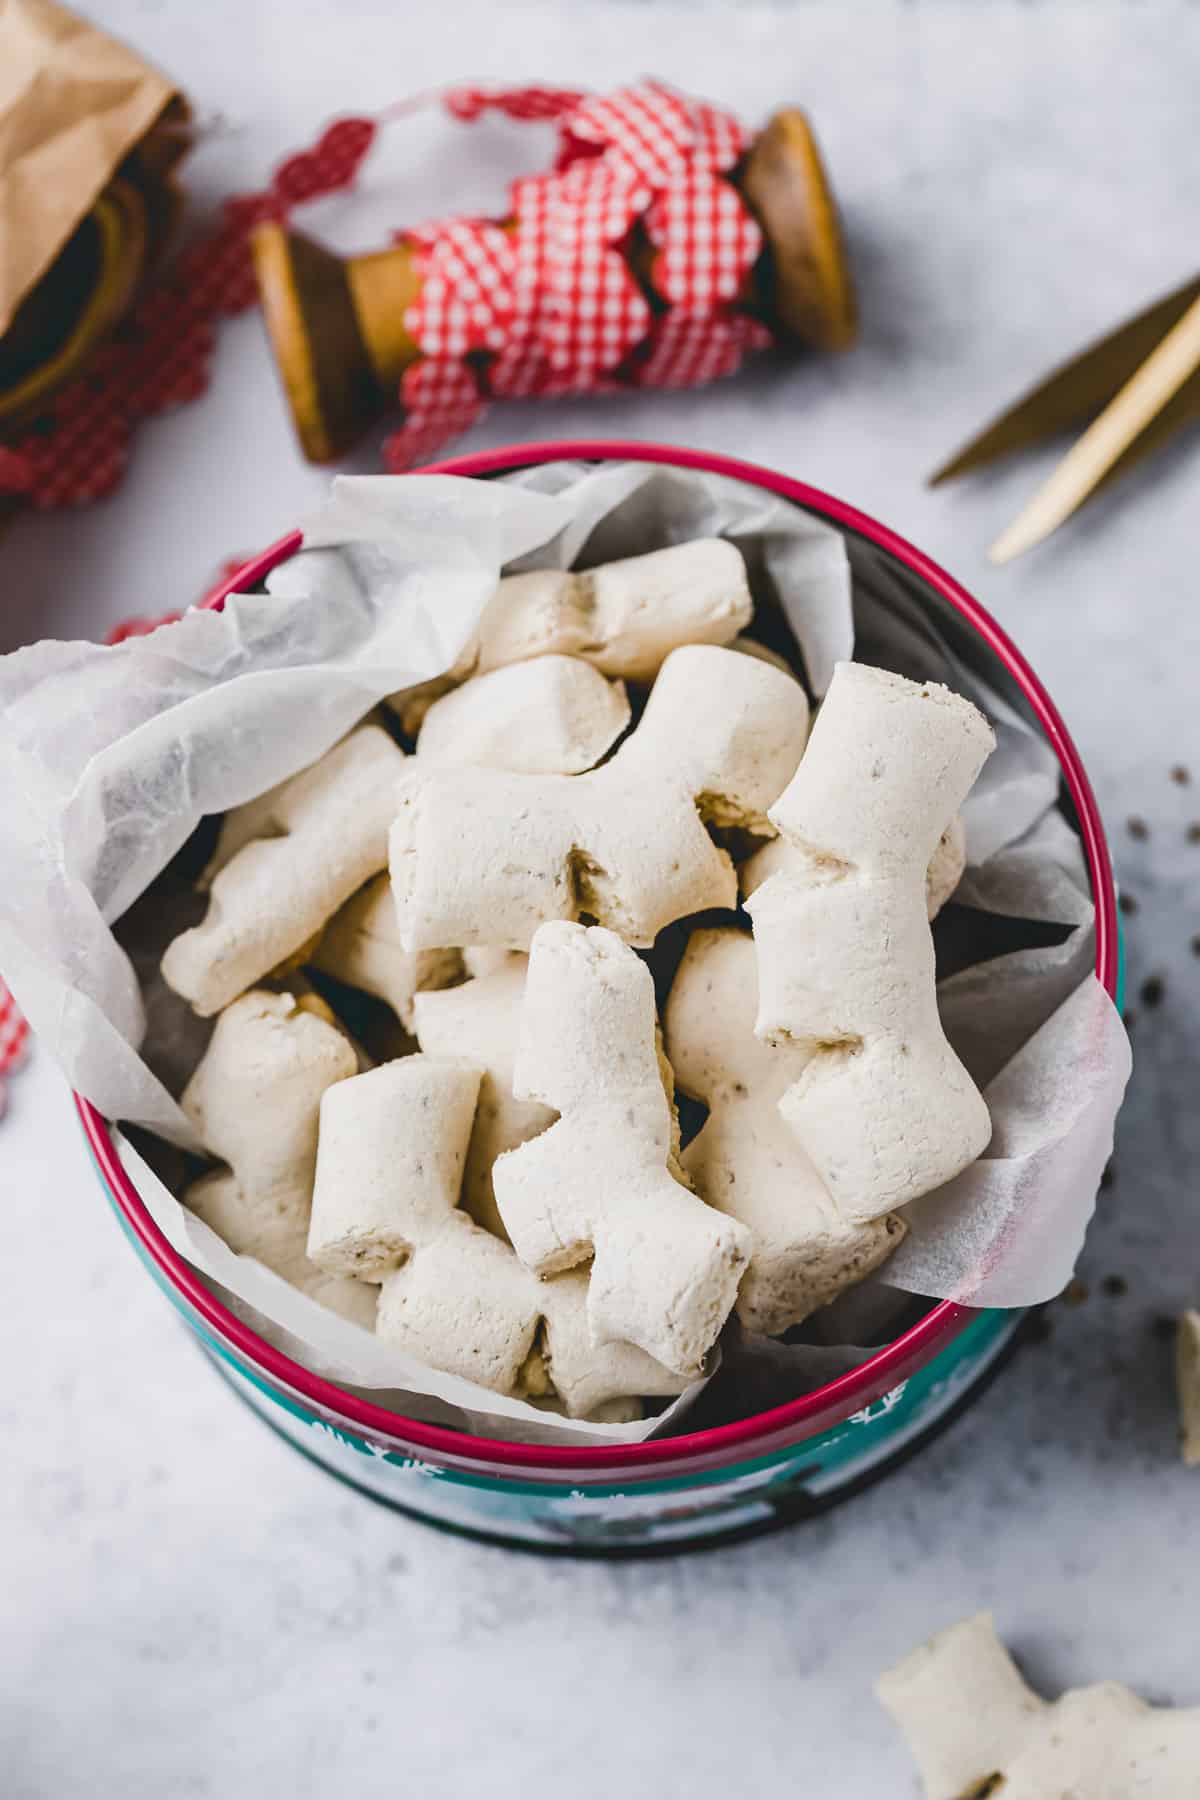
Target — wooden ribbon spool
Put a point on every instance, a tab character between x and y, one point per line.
336	324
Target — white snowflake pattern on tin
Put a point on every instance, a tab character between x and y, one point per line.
428	1469
380	1452
339	1437
580	1501
879	1409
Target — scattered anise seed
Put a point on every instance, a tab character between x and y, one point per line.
1127	903
1152	991
1116	1285
1180	775
1137	828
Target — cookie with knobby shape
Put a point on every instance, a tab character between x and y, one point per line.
480	1020
882	1105
604	1181
482	856
556	715
393	1147
623	617
744	1160
317	838
976	1728
255	1100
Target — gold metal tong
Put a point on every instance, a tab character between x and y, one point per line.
1143	381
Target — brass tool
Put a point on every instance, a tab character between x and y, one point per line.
1142	381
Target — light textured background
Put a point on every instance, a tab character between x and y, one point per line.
188	1608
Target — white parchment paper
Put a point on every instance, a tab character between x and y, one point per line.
342	1351
109	757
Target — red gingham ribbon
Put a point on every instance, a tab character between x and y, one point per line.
13	1032
14	1035
684	351
551	305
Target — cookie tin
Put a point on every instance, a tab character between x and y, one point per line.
707	1486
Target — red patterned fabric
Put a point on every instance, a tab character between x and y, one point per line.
551	305
684	351
14	1036
467	287
441	398
14	1032
708	241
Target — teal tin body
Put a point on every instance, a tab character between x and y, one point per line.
706	1486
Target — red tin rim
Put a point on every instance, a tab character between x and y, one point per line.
837	1398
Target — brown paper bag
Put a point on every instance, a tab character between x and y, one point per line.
73	104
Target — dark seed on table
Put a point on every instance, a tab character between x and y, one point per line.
1152	991
1129	1018
1116	1285
1193	832
1196	944
1180	775
1127	903
1137	828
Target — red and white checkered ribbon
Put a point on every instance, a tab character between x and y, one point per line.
550	304
14	1036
